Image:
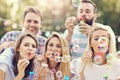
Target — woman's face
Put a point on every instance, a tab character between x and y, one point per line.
27	48
54	46
100	41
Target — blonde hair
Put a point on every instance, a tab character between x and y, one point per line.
63	67
112	43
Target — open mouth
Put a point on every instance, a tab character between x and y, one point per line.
29	54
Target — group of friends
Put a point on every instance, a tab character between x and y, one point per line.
87	51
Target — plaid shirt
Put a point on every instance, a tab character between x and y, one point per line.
13	35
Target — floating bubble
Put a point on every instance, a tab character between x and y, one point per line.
76	3
118	54
48	54
66	58
76	42
75	48
75	66
58	74
103	44
44	64
97	59
65	49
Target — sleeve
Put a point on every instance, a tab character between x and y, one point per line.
65	33
6	56
5	37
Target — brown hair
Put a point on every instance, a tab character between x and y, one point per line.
17	55
33	10
91	2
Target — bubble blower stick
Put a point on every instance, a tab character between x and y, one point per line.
82	20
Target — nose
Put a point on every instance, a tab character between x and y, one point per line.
54	49
30	48
32	23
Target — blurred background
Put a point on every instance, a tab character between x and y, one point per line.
54	14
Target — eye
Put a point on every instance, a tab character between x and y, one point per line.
33	46
81	11
51	45
29	21
26	44
96	39
88	11
36	22
58	46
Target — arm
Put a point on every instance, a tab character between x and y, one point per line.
6	41
2	75
69	24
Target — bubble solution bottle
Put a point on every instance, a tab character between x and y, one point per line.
31	75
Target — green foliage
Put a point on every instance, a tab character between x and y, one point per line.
55	13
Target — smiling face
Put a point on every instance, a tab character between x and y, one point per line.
95	40
54	46
32	23
27	48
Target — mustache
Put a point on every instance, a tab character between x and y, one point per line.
87	21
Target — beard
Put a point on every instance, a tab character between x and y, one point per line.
89	22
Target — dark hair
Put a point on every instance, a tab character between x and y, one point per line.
17	55
33	10
91	2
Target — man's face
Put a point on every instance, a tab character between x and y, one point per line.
86	10
32	23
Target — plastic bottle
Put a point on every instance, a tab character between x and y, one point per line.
31	75
66	78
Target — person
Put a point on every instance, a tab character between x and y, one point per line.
77	35
99	61
16	63
55	64
32	22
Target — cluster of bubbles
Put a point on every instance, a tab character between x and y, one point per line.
58	73
76	45
103	47
56	56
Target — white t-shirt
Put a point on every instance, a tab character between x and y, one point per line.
96	72
6	63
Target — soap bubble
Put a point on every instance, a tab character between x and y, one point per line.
97	59
75	66
76	3
58	74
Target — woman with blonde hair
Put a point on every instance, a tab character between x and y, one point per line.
99	60
55	65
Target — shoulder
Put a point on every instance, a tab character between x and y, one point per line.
41	38
6	56
14	32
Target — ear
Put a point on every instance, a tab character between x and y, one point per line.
95	17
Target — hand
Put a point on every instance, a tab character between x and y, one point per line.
43	71
70	23
22	64
87	57
85	28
